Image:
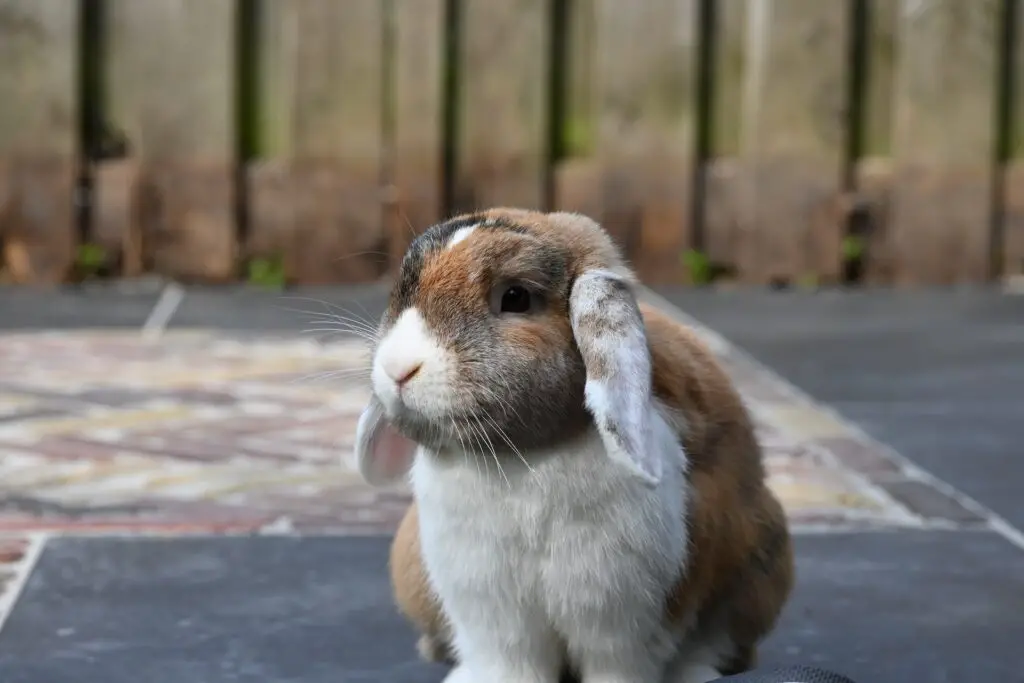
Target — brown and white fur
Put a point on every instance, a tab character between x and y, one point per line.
589	493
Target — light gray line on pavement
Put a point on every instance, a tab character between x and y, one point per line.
164	309
23	571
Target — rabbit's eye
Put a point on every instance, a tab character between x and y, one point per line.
515	299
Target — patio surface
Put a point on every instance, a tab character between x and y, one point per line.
176	505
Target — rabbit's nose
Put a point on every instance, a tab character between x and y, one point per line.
402	372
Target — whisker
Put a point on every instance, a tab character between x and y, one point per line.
331	309
346	316
339	331
362	253
515	450
405	217
372	318
505	404
332	374
475	436
494	454
466	455
343	372
477	451
347	322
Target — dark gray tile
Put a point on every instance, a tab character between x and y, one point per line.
66	308
209	611
861	455
292	311
938	374
928	502
927	607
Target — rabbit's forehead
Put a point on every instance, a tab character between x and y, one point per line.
458	260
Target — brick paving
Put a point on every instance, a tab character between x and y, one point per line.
200	432
108	432
204	432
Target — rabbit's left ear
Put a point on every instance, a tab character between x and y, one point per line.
383	455
609	331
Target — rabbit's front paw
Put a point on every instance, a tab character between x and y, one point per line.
460	674
693	673
497	673
433	649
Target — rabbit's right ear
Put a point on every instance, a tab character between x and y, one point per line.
383	455
610	334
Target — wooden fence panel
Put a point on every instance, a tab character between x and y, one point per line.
502	104
646	90
869	239
1012	256
170	74
417	145
38	139
792	139
316	192
642	125
943	140
347	110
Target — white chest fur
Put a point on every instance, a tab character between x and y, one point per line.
570	552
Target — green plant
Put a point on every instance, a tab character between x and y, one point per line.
852	248
90	259
267	272
699	266
577	137
808	281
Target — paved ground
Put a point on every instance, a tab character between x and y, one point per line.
173	508
938	375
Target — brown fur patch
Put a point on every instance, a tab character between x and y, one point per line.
410	584
455	284
740	570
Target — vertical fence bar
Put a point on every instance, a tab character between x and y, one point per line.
577	173
721	202
868	244
1010	261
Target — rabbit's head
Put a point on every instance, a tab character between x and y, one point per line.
508	331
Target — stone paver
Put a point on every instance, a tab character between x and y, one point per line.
110	432
204	432
105	431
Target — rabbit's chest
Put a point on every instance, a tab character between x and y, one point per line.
570	535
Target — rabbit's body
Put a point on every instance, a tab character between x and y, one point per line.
628	535
550	562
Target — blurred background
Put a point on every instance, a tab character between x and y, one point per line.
782	143
203	204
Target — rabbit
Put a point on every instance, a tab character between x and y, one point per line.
589	496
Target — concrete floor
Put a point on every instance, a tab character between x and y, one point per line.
937	375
